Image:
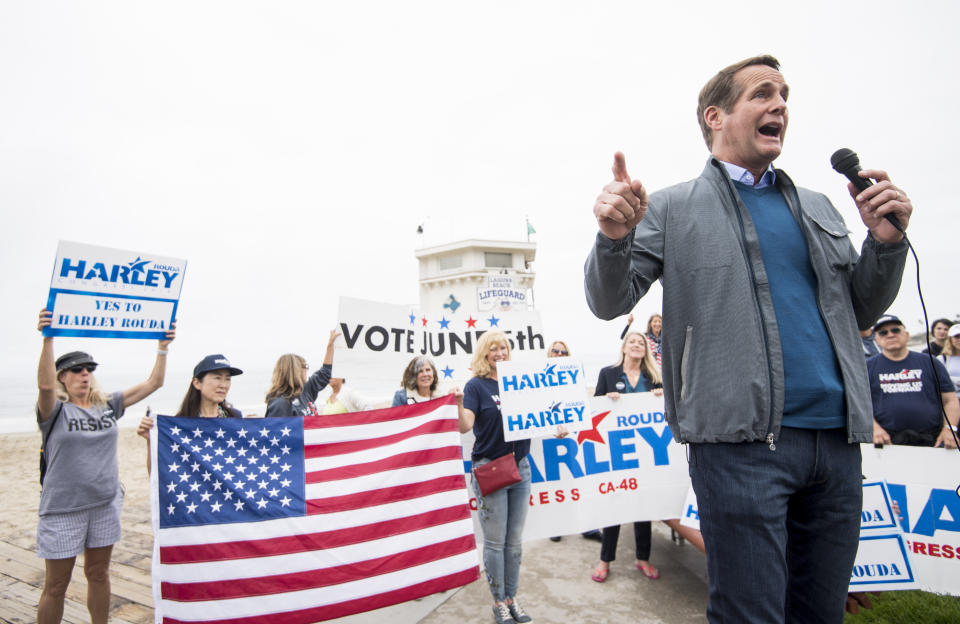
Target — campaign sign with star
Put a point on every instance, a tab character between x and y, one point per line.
100	292
626	466
539	395
379	339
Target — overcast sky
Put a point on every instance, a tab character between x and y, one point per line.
288	150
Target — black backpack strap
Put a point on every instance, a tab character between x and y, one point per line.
53	421
43	446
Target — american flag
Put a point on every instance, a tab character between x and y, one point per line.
308	519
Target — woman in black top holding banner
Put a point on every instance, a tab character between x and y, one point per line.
637	371
504	511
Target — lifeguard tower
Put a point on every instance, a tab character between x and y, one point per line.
476	275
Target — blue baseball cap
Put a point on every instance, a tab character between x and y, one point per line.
886	319
217	361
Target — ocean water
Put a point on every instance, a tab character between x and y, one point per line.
246	393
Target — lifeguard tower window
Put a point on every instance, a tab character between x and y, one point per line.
497	260
454	261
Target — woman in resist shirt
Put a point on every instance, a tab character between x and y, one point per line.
81	497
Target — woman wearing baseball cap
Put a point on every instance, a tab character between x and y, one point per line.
207	395
81	496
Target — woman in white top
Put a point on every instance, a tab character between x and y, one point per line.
950	355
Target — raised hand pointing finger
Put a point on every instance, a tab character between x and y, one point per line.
622	203
620	168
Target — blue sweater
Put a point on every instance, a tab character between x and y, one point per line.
813	386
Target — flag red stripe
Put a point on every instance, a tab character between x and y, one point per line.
378	415
245	549
353	446
312	579
402	460
358	605
372	498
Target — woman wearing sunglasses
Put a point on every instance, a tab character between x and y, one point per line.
558	349
81	496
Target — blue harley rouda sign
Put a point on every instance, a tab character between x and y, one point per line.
101	292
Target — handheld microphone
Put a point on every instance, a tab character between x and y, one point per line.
846	162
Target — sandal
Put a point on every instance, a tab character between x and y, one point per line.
648	570
600	574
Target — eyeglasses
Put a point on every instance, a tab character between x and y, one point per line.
76	370
559	352
892	330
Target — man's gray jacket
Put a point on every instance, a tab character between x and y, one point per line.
723	373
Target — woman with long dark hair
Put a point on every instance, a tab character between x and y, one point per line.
81	497
636	371
206	395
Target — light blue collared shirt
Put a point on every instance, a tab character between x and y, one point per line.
741	175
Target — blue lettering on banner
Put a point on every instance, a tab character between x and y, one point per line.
876	570
553	458
132	273
932	516
659	444
615	439
692	512
545	418
590	463
550	378
941	512
633	420
582	460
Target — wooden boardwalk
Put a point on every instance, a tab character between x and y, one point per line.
21	571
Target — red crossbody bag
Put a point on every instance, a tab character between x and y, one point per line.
497	474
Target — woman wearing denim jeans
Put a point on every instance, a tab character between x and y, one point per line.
502	513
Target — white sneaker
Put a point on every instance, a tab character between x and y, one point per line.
501	614
519	615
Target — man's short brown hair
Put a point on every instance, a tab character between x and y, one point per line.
723	90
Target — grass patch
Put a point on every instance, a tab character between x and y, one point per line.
909	607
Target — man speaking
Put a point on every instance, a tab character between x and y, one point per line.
764	374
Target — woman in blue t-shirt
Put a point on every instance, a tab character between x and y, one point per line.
637	371
502	513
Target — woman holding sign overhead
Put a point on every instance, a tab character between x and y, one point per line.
81	496
291	392
636	371
502	511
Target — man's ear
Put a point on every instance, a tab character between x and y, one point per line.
713	116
